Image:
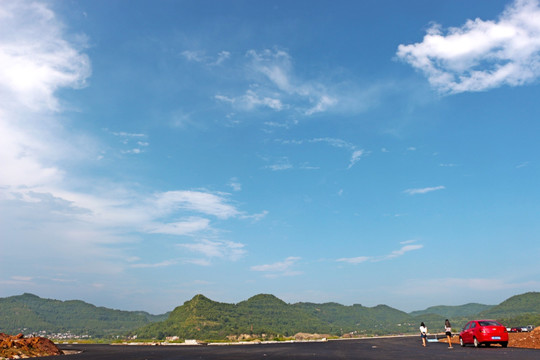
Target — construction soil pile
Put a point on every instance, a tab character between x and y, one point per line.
530	340
19	347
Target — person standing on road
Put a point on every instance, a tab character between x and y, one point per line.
448	330
423	333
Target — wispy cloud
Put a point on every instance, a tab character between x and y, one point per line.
164	263
423	190
356	154
274	84
452	285
34	64
281	268
407	247
41	200
355	157
235	184
251	100
135	143
355	260
215	204
201	57
403	250
210	249
280	164
188	226
481	54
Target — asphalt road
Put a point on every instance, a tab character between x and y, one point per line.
383	348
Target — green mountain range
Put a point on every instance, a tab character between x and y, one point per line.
263	316
454	311
31	314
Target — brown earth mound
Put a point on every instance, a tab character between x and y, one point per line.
530	340
17	346
306	336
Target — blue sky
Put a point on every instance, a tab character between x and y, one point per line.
368	152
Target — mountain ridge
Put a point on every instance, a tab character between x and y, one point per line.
260	315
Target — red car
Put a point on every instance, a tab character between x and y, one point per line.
485	332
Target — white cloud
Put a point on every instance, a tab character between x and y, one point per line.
323	103
164	263
222	56
215	249
355	260
275	65
423	190
235	184
281	268
188	226
128	135
255	217
34	64
407	246
201	57
192	55
280	165
198	201
481	55
37	200
355	157
251	100
452	285
339	143
407	242
403	250
356	154
134	142
273	85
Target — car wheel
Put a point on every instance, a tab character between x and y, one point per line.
476	343
461	342
504	344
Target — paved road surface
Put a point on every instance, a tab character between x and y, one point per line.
385	348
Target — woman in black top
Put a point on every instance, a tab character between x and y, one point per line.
448	329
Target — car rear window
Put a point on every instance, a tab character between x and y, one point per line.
489	323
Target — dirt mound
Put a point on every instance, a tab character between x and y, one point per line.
529	340
306	336
17	346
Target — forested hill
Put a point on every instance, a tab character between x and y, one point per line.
29	313
518	310
204	319
528	303
453	311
